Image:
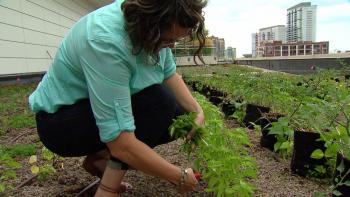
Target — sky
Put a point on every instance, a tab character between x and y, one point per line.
236	20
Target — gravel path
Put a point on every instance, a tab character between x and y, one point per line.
274	175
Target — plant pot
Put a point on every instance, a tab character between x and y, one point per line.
216	96
345	190
268	141
192	85
227	108
305	143
254	114
205	91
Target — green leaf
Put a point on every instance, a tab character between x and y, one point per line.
341	167
318	194
347	183
331	151
33	159
2	187
8	174
13	164
35	169
317	154
320	169
275	130
337	193
47	154
277	146
285	145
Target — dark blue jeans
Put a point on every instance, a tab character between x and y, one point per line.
72	130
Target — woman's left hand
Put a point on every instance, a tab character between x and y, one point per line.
199	121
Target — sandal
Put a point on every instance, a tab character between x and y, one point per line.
89	166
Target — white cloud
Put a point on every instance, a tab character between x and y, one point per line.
236	21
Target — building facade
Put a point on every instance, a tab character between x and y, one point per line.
255	44
230	54
278	49
184	51
301	22
31	31
298	38
221	49
277	33
219	44
265	35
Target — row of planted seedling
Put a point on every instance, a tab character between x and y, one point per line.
219	153
303	117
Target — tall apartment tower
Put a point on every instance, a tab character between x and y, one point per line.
255	44
221	48
301	22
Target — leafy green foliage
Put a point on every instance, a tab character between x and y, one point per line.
220	154
18	150
240	112
317	154
284	134
9	164
317	102
14	110
180	128
46	169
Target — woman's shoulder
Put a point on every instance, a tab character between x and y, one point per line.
107	23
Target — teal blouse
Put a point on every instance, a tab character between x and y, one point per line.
95	61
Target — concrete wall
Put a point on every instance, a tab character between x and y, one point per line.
31	31
188	60
295	65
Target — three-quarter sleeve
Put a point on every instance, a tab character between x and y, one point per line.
169	64
107	75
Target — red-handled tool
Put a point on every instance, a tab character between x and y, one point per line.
198	175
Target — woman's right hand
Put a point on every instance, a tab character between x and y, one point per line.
190	183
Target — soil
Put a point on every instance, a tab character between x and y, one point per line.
274	176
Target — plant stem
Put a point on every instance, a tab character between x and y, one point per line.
342	179
204	141
296	109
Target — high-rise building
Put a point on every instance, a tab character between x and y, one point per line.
267	35
255	43
219	44
276	33
301	22
230	54
221	48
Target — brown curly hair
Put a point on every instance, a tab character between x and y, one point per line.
147	20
